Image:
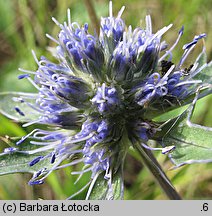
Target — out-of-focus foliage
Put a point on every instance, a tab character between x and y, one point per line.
23	25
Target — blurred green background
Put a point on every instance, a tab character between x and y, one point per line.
23	24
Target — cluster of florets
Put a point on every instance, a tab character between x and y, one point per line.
97	96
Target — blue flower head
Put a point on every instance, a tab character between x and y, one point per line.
96	98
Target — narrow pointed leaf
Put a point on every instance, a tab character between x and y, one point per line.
19	162
192	141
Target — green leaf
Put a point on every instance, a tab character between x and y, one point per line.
170	114
101	191
206	74
193	142
11	100
19	162
10	128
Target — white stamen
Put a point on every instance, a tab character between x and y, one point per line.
48	84
124	42
69	16
78	192
82	171
149	24
110	194
185	55
110	9
54	167
26	136
3	153
161	31
34	107
30	123
35	57
23	95
108	173
168	149
71	163
79	177
33	83
103	91
75	151
166	75
156	35
45	148
26	71
65	25
173	46
129	31
121	12
194	67
44	143
91	186
51	38
197	71
41	134
55	21
82	139
188	82
75	25
164	150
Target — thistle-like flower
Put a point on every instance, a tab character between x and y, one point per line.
98	98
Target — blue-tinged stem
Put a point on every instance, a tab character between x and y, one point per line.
149	160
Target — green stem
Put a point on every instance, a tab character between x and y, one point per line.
149	160
92	15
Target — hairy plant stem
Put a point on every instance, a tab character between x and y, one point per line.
149	160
